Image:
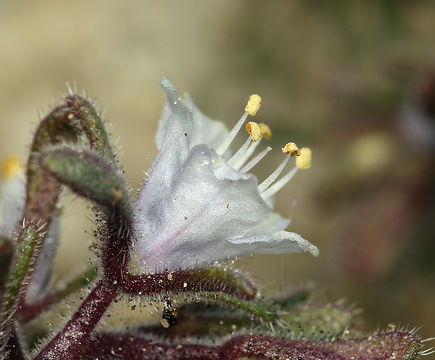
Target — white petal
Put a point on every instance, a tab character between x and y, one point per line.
270	201
173	141
271	224
206	203
205	130
176	120
279	242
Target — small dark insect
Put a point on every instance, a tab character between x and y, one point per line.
169	315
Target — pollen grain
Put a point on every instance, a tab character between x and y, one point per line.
265	131
254	130
291	148
253	104
304	160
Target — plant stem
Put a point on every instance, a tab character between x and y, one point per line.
191	280
27	312
18	278
13	348
132	347
70	341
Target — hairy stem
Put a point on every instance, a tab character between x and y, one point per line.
190	280
90	176
386	346
42	191
41	196
28	240
69	342
27	312
125	346
13	348
117	230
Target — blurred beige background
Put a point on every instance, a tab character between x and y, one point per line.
333	75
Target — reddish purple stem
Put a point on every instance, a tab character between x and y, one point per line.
76	333
13	348
191	280
387	346
124	346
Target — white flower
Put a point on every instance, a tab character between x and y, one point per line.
199	205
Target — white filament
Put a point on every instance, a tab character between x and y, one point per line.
272	177
239	154
255	160
247	154
279	184
232	134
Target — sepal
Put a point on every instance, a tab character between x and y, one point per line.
88	175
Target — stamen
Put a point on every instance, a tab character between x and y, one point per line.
304	160
272	177
254	130
255	160
240	157
10	167
250	109
279	184
236	157
291	148
265	131
232	134
253	104
247	154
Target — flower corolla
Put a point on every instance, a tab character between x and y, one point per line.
198	203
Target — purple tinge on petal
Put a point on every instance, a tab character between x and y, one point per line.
187	223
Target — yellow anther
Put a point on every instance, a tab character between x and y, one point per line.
253	104
265	131
291	148
254	130
11	166
304	160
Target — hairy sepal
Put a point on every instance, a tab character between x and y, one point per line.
218	315
28	241
221	314
88	175
92	124
318	322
